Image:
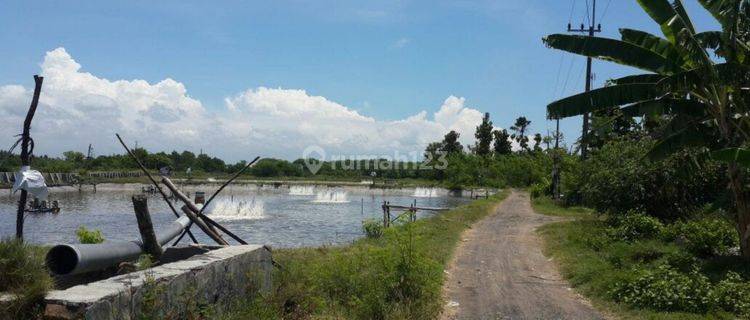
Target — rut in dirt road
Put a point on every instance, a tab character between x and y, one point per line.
499	271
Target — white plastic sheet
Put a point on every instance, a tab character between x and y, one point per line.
31	181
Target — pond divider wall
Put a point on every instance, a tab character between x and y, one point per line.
208	281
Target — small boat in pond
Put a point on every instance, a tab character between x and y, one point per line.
36	206
44	210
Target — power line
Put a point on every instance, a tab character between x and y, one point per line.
588	18
572	9
606	8
557	78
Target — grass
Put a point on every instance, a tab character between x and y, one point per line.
547	206
398	275
594	264
23	275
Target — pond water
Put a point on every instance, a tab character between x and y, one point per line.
287	216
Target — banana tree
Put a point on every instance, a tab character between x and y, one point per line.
699	81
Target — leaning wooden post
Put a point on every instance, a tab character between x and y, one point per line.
145	227
26	153
202	225
191	210
185	199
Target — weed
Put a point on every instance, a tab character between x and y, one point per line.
89	236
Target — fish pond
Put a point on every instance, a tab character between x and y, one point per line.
280	216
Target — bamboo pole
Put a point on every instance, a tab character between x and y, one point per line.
203	226
156	184
145	227
190	209
210	221
26	153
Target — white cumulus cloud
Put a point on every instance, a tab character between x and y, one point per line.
77	108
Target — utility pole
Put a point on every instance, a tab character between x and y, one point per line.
591	31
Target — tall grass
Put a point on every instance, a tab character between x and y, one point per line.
396	276
22	275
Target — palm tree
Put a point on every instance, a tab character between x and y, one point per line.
703	99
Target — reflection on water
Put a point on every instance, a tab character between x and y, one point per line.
263	215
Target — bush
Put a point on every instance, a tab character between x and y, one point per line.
666	289
372	228
619	177
704	237
89	236
22	273
733	294
540	189
633	226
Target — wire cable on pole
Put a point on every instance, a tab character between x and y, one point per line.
605	11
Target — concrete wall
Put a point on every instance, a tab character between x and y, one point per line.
205	282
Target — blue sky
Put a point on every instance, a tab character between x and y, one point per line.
386	60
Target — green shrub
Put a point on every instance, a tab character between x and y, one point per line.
541	188
633	226
733	294
372	228
619	177
666	289
22	273
89	236
704	237
145	261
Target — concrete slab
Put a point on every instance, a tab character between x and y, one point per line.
177	290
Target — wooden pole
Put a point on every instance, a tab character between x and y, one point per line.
145	227
385	216
156	184
193	212
210	221
202	225
388	212
26	153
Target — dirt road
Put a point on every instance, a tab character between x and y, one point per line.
499	271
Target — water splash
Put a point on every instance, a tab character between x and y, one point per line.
426	192
331	196
301	190
226	209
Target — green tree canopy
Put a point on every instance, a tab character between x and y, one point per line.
483	136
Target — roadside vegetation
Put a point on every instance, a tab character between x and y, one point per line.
396	273
637	267
666	173
23	278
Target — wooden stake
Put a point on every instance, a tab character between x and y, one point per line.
202	225
209	220
26	153
191	210
145	227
